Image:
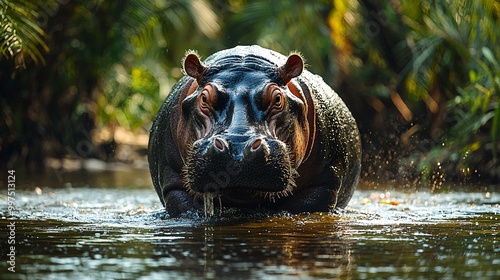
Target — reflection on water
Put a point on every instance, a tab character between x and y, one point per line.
120	233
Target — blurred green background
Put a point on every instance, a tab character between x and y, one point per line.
422	78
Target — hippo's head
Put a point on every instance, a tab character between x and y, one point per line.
243	127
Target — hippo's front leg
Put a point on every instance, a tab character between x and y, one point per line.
175	198
178	202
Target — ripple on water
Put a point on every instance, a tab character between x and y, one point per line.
108	233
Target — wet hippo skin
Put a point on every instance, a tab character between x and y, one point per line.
253	129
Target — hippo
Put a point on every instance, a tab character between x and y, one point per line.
250	128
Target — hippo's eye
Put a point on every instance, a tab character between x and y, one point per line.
205	100
277	97
204	96
274	99
277	100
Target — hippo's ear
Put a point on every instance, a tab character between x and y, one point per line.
194	67
292	68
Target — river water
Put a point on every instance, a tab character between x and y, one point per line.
110	225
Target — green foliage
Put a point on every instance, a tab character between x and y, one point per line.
128	99
20	32
441	57
108	63
490	87
135	86
285	26
457	55
50	109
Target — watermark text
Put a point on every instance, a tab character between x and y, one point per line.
11	226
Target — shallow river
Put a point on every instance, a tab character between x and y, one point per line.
110	226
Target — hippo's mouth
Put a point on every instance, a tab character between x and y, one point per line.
244	197
245	188
239	198
271	182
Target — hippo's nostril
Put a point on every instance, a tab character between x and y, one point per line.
219	144
256	144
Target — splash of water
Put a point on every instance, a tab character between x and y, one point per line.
208	204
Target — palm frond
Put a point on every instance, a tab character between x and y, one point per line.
19	31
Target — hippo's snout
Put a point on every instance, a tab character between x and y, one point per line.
237	148
231	162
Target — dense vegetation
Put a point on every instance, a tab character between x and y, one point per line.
421	77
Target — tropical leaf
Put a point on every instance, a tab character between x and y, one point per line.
20	32
286	26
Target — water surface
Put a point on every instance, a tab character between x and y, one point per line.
114	228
